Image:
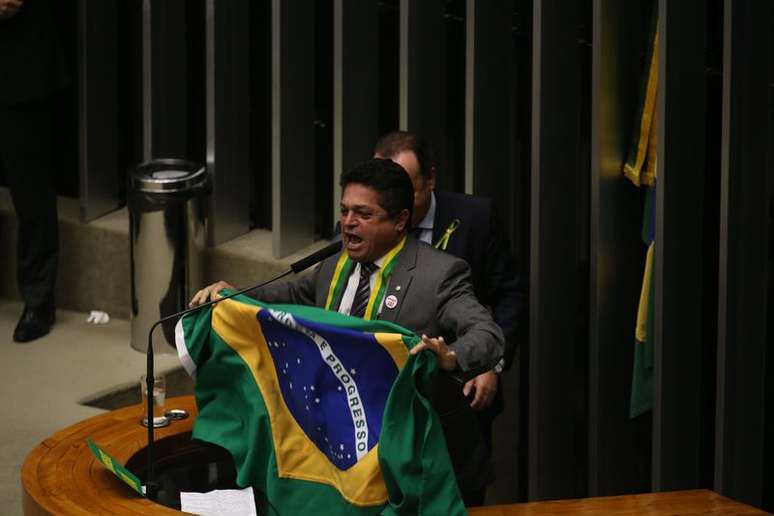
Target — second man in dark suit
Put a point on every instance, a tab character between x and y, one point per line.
466	226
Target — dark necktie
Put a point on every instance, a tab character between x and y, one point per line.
360	303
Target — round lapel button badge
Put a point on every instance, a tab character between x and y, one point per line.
391	302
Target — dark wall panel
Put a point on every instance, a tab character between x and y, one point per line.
228	123
293	133
744	219
98	108
422	65
488	169
557	428
678	321
619	456
166	94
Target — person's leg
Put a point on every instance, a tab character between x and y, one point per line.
25	150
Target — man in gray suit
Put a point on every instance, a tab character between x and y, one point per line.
385	274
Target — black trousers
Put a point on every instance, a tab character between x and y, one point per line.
467	439
26	155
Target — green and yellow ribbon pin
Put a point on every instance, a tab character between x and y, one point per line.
444	240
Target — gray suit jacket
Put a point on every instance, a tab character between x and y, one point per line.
435	297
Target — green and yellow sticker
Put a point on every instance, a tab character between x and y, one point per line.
114	466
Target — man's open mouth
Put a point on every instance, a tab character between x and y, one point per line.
352	241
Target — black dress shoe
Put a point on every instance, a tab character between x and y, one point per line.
34	323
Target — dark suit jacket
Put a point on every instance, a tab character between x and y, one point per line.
434	297
479	240
32	61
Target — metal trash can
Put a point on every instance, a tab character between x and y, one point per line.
167	200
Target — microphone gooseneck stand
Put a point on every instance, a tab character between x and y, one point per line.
151	487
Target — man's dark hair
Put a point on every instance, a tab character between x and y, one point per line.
392	144
391	182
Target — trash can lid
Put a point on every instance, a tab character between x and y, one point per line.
167	175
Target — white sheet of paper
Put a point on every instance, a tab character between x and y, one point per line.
221	502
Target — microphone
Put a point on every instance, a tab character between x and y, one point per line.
151	487
316	257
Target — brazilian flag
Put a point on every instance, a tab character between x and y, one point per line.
641	168
641	160
642	376
323	413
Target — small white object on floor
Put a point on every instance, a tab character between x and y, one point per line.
98	317
220	502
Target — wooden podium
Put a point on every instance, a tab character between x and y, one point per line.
61	476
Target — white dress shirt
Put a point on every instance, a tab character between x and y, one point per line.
425	226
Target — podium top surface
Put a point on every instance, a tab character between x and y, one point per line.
61	476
